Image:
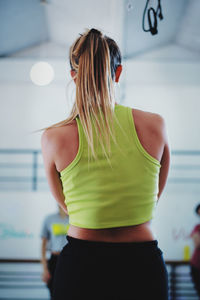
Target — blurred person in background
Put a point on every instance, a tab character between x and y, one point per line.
53	234
107	165
195	259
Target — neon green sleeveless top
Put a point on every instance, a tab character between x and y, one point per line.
102	196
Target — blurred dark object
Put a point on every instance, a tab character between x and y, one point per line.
152	15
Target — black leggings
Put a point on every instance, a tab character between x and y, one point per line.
195	273
51	267
115	271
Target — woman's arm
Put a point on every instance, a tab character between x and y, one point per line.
165	160
53	176
46	274
196	239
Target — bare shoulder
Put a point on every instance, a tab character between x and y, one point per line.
49	136
153	121
55	136
149	117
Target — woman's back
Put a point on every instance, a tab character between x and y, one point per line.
151	135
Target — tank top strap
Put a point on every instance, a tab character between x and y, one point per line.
135	138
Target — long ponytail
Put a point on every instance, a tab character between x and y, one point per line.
94	58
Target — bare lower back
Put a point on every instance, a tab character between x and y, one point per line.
135	233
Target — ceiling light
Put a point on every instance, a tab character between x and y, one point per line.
42	73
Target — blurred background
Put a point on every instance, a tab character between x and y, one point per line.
161	74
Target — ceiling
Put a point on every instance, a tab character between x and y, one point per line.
46	28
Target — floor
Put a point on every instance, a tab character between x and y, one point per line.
22	281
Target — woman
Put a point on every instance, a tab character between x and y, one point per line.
53	234
103	167
195	259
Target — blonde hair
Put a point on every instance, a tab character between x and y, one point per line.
94	58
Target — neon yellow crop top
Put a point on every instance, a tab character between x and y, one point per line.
105	197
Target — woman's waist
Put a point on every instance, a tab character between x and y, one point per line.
134	233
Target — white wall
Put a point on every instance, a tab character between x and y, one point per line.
27	107
21	218
175	218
